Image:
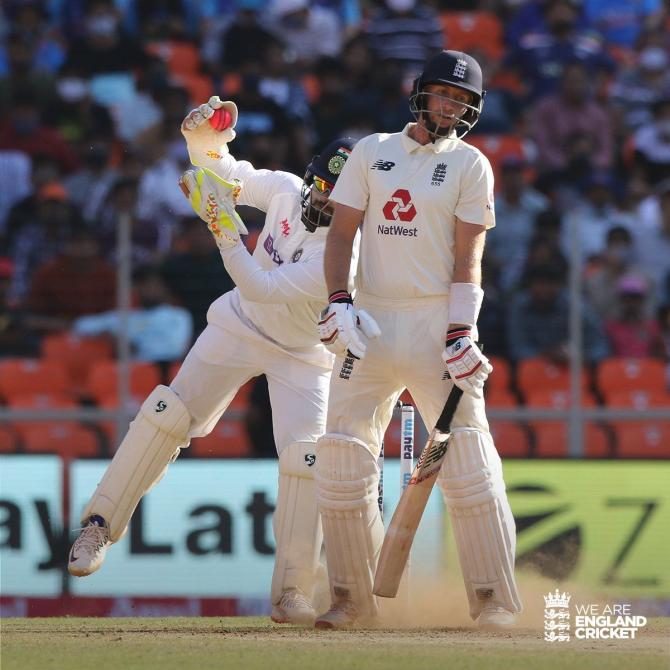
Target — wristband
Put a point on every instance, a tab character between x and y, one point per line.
465	301
340	296
456	333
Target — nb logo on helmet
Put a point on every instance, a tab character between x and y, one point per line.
161	406
460	67
400	207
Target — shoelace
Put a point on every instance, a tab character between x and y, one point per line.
92	538
295	600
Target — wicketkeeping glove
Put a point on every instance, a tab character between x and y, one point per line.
207	130
213	200
466	364
340	324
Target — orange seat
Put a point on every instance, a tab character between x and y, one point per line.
103	380
539	373
500	398
499	147
511	439
229	439
557	398
181	58
39	401
108	426
77	354
67	439
19	376
626	374
468	31
642	439
501	376
9	441
638	399
551	440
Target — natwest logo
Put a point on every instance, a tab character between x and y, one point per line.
400	207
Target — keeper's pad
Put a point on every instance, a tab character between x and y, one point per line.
346	489
296	523
152	442
472	484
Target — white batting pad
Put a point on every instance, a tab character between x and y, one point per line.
296	522
153	440
472	484
346	488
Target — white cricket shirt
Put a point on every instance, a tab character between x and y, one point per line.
411	194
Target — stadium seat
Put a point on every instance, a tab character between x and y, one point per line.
103	380
67	439
473	31
557	398
181	58
39	401
638	399
511	439
501	377
499	147
108	426
229	439
642	439
541	374
500	399
9	440
19	376
615	375
77	354
551	440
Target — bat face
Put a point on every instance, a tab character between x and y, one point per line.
431	458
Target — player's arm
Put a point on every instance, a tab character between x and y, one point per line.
468	252
339	246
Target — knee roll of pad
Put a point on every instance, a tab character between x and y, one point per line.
346	484
152	442
473	488
296	522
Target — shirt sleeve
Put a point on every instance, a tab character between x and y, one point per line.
290	282
258	186
351	188
475	204
96	324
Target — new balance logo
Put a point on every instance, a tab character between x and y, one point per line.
460	67
382	165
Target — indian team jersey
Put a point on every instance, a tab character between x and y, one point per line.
281	289
411	195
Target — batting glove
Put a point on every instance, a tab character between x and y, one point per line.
207	130
466	365
340	325
213	200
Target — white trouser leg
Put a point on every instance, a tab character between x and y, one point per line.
346	486
152	442
296	523
474	491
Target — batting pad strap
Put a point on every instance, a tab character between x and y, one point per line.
153	440
474	491
296	523
346	485
465	301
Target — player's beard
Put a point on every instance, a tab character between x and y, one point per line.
436	131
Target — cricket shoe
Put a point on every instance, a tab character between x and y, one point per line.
493	617
294	608
341	614
88	551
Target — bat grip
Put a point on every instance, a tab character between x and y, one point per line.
444	421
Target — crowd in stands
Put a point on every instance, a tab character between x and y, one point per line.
576	124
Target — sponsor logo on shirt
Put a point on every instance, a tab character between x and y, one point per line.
296	256
269	246
396	230
285	227
400	207
439	173
382	165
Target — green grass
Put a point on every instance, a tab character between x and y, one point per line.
255	643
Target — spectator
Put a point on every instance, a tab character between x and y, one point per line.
653	242
616	261
594	215
540	57
632	334
308	31
517	206
196	276
664	324
77	281
621	22
571	130
157	330
407	32
15	166
538	321
42	237
331	110
544	250
651	144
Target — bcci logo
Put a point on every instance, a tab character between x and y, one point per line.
557	617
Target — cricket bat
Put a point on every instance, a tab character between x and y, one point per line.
400	534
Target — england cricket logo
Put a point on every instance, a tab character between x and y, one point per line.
557	617
460	67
